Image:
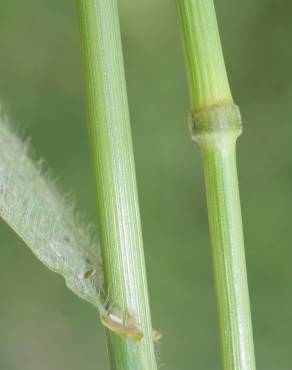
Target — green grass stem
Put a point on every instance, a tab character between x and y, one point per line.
119	220
215	125
206	69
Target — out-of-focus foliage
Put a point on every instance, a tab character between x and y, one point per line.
44	326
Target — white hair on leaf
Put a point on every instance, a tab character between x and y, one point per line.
44	219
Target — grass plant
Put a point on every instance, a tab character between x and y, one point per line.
114	281
119	219
215	125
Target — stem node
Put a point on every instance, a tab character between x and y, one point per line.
217	119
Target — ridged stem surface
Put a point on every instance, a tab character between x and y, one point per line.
215	125
219	159
112	152
206	68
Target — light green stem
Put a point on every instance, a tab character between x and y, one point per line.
112	152
206	69
228	254
215	125
216	133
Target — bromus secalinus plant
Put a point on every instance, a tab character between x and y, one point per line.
114	281
215	124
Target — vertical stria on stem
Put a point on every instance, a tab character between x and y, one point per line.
112	153
215	125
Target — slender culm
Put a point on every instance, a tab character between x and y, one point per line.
215	125
130	334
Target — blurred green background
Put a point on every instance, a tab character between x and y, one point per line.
42	325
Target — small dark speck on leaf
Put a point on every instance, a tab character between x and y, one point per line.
88	274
